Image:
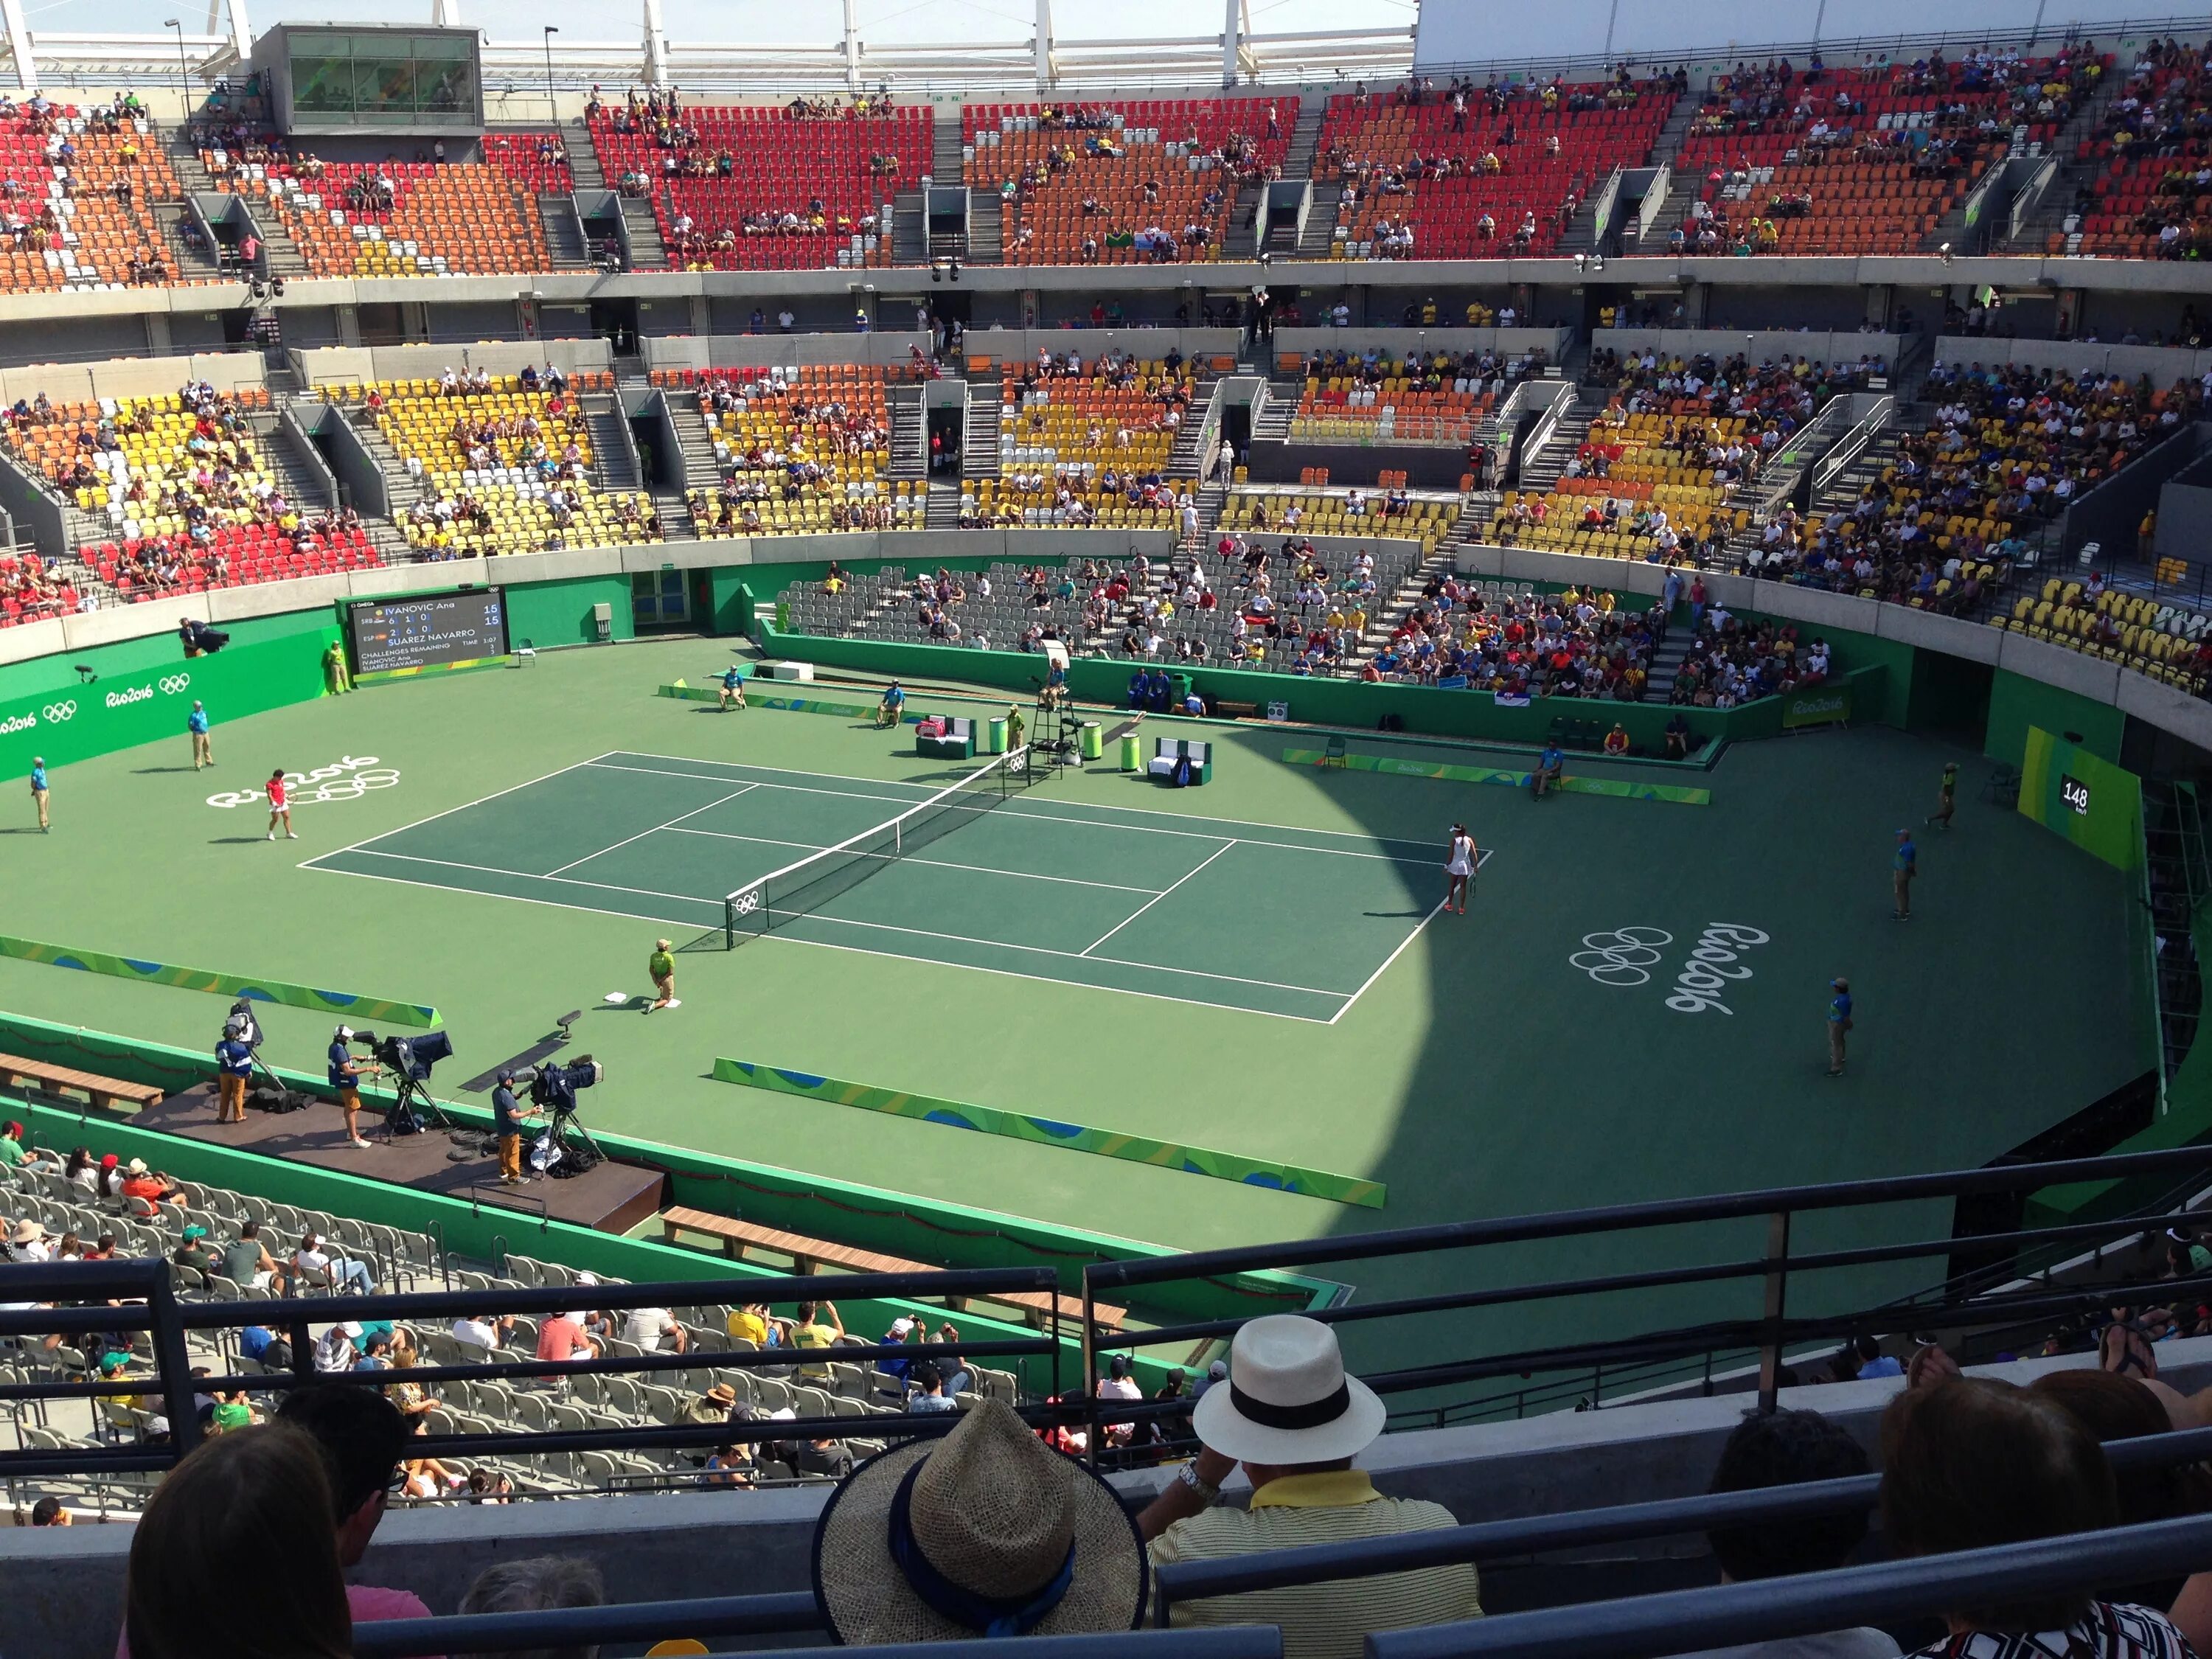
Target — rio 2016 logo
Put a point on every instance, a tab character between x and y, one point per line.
354	776
1626	955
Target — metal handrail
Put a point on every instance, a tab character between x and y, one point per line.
1884	1592
564	1628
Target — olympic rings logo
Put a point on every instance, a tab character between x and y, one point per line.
748	902
349	780
1624	957
58	712
173	684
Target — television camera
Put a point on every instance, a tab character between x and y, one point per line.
566	1147
409	1060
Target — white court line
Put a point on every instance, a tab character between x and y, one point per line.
310	863
934	864
1156	898
1070	956
793	788
531	875
1387	961
1044	811
517	898
827	944
1038	979
656	829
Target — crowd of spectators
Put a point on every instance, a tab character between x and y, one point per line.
1780	395
2007	449
2154	135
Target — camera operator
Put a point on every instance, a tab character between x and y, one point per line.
345	1075
234	1058
507	1118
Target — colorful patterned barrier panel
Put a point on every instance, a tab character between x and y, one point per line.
369	1011
1193	1160
1681	794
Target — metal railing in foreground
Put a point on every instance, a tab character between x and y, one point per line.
1763	1329
1483	1543
1884	1592
565	1629
134	1295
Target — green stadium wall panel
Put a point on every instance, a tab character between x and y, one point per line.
144	689
2017	703
2076	794
559	613
1070	1137
347	1005
869	1217
1620	788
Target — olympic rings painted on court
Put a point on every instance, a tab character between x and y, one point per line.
173	684
353	777
58	712
1624	957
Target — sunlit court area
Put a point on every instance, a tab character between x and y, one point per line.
1357	832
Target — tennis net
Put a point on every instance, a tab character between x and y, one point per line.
783	895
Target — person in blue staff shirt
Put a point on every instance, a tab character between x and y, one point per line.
233	1065
38	792
1904	865
733	687
1839	1024
1550	767
203	747
1140	688
892	710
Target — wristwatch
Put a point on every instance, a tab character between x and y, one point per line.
1188	1475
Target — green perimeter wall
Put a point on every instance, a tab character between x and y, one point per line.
893	1224
270	662
1350	703
560	613
2017	703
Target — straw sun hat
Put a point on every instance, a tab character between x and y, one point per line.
985	1532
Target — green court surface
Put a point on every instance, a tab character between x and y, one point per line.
1543	1052
1119	898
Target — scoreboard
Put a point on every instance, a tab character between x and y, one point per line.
434	630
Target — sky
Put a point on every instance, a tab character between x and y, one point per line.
784	21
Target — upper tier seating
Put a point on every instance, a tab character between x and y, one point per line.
1864	160
1502	175
539	162
761	187
77	196
799	450
2143	202
1112	184
401	218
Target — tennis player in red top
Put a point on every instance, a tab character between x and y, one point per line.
279	805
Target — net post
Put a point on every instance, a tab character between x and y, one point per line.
729	924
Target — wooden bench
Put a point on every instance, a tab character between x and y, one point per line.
808	1254
102	1091
1241	711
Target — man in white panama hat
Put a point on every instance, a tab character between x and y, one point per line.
1292	1418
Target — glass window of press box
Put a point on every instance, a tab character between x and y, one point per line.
382	79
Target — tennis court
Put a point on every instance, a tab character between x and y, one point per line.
1265	918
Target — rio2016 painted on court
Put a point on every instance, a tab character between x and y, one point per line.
354	776
1626	957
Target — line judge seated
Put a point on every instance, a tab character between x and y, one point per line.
1291	1418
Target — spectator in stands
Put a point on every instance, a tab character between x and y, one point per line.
655	1330
1972	1463
2114	1407
15	1152
984	1532
427	1477
48	1512
1292	1417
1119	1384
484	1331
260	1496
361	1435
314	1267
561	1336
139	1181
928	1394
1784	1448
246	1261
810	1331
540	1583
